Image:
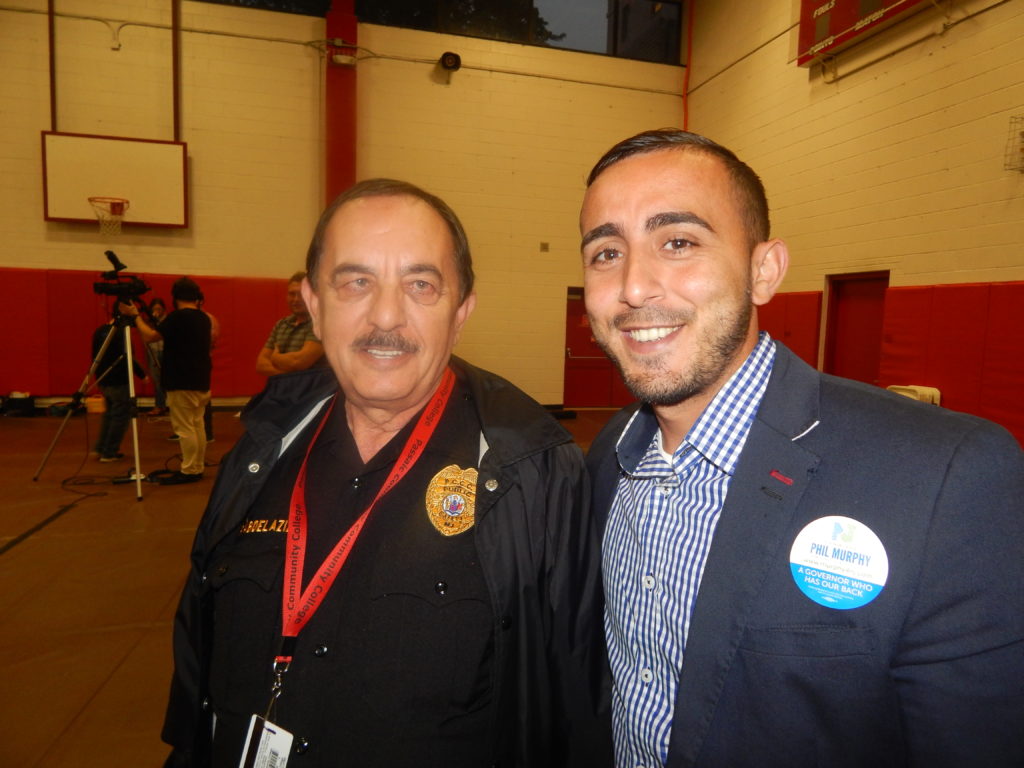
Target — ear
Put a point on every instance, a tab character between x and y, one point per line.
768	265
462	315
313	304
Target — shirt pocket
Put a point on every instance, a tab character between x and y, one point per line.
245	596
432	641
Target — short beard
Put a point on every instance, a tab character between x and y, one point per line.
716	350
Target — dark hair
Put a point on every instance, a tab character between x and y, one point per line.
297	277
186	289
394	188
156	301
746	184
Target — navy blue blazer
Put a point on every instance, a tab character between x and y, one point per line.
930	673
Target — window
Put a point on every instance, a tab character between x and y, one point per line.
303	7
631	29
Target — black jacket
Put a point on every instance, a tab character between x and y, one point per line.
539	553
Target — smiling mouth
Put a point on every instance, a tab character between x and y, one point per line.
651	334
385	346
384	354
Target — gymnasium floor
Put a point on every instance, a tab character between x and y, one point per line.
89	581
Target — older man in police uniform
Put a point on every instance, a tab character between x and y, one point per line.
396	567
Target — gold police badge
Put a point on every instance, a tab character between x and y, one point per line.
450	500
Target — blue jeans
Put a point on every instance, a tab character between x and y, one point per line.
155	360
115	418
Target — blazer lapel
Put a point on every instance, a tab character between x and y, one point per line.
770	479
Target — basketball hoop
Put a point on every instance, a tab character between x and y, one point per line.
110	212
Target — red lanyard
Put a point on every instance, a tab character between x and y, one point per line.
298	605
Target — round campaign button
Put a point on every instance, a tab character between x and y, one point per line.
839	562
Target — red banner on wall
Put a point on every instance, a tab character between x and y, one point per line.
828	25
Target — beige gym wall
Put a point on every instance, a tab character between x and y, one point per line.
507	141
889	159
897	165
250	113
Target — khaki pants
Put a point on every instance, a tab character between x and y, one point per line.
187	421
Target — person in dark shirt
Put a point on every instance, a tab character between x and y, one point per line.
185	373
400	542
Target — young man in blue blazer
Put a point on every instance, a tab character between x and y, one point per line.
799	570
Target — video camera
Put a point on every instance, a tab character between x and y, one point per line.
127	288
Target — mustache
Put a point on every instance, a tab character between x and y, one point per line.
651	316
386	340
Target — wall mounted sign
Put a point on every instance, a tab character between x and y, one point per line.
826	26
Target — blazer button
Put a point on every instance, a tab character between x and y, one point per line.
254	467
506	622
320	651
491	485
301	745
441	587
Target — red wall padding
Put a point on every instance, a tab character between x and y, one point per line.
24	348
50	315
795	320
965	340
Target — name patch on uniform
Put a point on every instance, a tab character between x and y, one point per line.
264	526
839	562
451	500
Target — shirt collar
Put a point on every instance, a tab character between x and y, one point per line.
722	428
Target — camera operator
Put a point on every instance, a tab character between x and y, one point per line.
112	378
185	373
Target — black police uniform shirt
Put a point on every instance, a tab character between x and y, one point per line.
395	667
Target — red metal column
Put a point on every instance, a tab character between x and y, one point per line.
340	98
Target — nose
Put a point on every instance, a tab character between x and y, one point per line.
387	312
641	283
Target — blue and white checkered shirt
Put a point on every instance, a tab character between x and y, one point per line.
655	545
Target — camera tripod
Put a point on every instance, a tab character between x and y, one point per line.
121	322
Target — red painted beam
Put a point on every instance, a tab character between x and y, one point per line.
340	96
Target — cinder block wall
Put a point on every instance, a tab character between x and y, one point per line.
889	158
507	140
897	164
250	106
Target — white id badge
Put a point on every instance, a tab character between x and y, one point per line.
266	745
